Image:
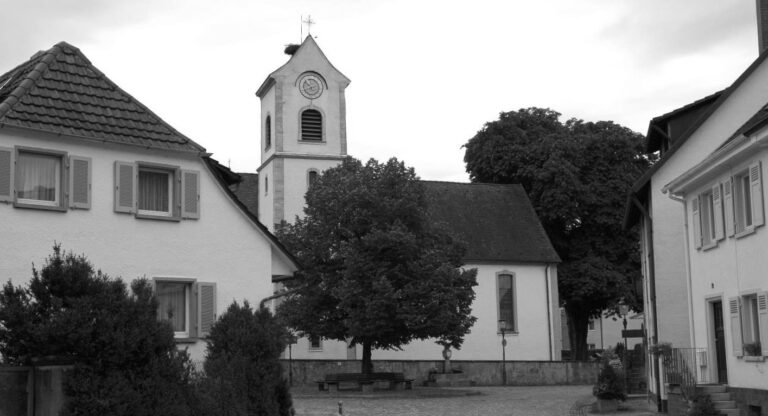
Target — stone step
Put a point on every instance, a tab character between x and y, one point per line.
712	388
724	404
719	396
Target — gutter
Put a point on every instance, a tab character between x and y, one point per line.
688	276
652	301
547	276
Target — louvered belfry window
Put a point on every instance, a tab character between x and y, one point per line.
311	125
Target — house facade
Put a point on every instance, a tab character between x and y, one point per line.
85	165
303	119
722	199
683	282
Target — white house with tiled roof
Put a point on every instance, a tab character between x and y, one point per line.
303	116
85	165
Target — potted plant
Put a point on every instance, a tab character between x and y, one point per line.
753	349
609	389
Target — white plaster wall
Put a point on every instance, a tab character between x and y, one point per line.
734	267
483	342
223	246
669	243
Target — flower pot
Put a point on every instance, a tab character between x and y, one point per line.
607	405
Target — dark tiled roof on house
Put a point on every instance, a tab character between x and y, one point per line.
247	191
497	222
59	91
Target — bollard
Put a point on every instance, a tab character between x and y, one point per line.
341	411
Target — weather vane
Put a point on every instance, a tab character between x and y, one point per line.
309	22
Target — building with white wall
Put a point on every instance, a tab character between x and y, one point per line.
85	165
303	115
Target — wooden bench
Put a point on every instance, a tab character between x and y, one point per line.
364	382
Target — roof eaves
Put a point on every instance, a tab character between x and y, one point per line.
723	96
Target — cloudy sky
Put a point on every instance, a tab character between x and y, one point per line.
426	75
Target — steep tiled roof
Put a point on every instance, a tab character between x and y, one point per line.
59	91
497	222
247	191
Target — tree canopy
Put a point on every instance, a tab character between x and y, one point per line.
375	271
577	175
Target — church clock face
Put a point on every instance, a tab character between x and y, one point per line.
311	86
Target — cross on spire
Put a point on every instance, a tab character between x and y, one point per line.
309	22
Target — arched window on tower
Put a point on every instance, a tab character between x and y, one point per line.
311	178
311	125
268	132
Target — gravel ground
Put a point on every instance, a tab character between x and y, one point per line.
474	401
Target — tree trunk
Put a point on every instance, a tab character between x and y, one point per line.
577	333
367	367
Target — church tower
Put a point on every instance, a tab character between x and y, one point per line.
303	130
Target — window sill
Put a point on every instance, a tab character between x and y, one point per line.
186	340
745	232
40	207
709	246
754	358
312	141
508	333
157	217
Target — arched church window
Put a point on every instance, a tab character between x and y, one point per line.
311	125
268	132
311	177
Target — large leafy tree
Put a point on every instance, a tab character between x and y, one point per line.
375	269
577	175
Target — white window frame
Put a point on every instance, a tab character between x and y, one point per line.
591	325
742	203
319	344
172	174
188	283
59	203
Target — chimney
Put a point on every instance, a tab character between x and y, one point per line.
762	24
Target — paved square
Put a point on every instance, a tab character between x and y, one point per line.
469	401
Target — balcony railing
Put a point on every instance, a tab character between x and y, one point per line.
686	367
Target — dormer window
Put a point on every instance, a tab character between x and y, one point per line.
311	125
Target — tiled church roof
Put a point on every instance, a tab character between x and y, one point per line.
497	222
59	91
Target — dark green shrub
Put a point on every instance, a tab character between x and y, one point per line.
126	361
243	375
703	406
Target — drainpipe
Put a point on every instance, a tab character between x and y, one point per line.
549	317
652	295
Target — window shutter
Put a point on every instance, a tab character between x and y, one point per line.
728	206
696	222
80	182
190	198
756	185
125	187
762	319
717	211
736	340
206	308
6	174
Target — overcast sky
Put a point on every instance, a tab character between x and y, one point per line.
426	75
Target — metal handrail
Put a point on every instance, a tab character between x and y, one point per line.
686	367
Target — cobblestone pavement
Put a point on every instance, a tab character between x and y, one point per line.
472	401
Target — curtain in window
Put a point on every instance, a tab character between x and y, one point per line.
506	302
38	176
154	191
172	298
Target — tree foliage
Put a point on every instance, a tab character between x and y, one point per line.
375	270
577	175
126	361
243	375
